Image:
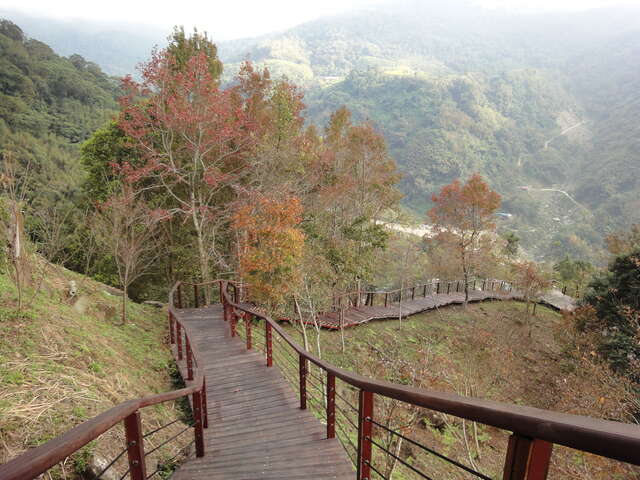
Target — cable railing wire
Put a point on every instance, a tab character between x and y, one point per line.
148	434
408	465
112	463
345	401
427	449
342	412
345	436
146	454
367	462
169	460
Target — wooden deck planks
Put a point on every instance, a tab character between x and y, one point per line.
364	314
256	428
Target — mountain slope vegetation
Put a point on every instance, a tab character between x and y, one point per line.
48	106
542	105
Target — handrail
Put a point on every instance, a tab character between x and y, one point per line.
369	295
614	440
38	460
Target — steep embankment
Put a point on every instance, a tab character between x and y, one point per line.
486	351
65	360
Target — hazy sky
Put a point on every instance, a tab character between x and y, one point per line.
241	18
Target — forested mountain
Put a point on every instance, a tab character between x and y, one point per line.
544	106
116	47
48	106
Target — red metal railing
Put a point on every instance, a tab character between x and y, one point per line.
349	410
38	460
345	401
386	297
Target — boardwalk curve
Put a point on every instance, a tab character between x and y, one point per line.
257	429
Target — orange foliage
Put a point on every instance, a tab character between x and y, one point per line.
271	247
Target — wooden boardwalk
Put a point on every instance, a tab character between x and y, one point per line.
256	427
363	314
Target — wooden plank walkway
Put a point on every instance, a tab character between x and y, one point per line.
256	428
363	314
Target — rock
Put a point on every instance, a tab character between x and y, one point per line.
96	465
153	303
112	291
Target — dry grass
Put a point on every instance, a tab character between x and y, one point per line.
486	352
61	365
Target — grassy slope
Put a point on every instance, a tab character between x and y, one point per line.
61	364
486	352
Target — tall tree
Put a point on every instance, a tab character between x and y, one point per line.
128	228
192	136
271	247
352	181
461	215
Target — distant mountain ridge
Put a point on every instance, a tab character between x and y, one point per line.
527	100
539	104
116	47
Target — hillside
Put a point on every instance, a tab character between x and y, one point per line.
539	104
48	106
116	46
64	360
543	105
483	352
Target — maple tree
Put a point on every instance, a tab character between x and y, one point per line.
271	246
192	137
531	281
461	216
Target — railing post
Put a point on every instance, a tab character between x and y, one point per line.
135	446
331	405
413	293
233	320
205	411
365	429
247	327
448	287
424	294
303	381
386	299
197	423
172	336
438	288
527	459
179	339
195	296
179	300
189	358
474	285
269	347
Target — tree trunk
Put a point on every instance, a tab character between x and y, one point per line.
342	328
303	327
124	304
202	253
465	272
